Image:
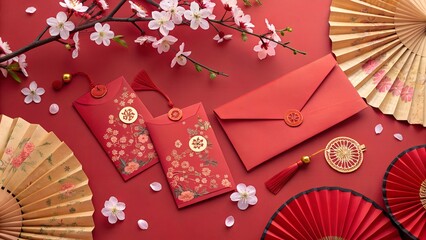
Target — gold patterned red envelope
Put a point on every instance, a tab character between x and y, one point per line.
118	122
190	155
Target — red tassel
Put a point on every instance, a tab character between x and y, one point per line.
143	82
277	182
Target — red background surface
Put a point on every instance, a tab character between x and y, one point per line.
308	18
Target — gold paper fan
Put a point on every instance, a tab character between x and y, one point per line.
44	191
381	46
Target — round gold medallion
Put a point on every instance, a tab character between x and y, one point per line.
197	143
344	154
128	115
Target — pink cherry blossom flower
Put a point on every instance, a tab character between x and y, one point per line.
60	25
17	161
76	40
209	5
163	44
4	50
265	48
271	28
102	35
33	93
161	21
242	20
173	9
397	87
143	138
140	12
180	57
384	85
145	39
245	196
23	64
229	4
220	37
197	16
114	210
74	5
407	93
369	66
131	167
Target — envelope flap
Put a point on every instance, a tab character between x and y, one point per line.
291	91
113	88
186	113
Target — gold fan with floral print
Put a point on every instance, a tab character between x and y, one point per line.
381	46
44	192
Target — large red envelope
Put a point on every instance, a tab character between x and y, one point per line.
127	143
264	122
191	157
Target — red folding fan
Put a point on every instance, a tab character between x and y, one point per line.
404	191
330	213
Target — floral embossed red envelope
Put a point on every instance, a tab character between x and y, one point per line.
190	155
117	120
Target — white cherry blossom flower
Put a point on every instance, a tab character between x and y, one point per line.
209	5
102	4
113	209
245	196
60	25
140	12
23	64
145	39
172	7
4	50
163	44
271	28
74	5
229	4
265	48
180	57
197	16
33	93
220	37
161	21
76	45
103	34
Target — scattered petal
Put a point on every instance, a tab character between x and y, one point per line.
31	10
229	221
398	136
143	224
156	186
378	129
54	108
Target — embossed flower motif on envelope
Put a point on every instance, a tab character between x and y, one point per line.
287	111
190	155
118	122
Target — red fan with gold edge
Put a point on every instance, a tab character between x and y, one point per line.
331	213
44	192
404	191
381	47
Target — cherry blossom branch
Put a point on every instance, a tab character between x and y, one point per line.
213	73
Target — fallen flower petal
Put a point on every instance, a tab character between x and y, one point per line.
229	221
143	224
398	136
378	129
156	186
54	108
31	10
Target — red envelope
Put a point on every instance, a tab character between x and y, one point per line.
118	122
191	157
285	112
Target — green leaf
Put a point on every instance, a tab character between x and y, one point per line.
259	2
198	68
119	39
244	36
14	75
247	3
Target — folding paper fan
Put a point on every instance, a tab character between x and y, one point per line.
44	191
404	191
330	213
381	46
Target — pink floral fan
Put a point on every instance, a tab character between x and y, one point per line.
381	46
44	192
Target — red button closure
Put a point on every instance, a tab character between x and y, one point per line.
293	118
175	114
99	91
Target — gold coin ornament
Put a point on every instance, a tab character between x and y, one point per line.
344	154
